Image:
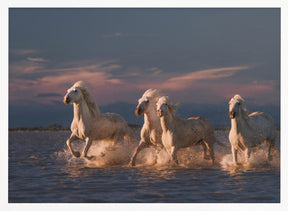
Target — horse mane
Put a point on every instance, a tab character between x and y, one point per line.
245	112
154	94
172	107
93	108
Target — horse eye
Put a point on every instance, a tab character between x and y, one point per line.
75	90
147	101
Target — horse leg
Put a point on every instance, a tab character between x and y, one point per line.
157	150
129	137
211	151
69	142
204	154
271	144
247	154
234	155
142	145
88	144
173	154
116	138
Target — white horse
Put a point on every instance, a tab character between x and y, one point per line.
181	133
89	124
249	130
151	131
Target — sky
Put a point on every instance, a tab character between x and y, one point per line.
200	58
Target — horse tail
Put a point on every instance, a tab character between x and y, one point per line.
129	137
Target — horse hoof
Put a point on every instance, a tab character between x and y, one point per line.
238	165
89	157
131	164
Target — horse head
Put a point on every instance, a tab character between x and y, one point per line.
73	94
147	101
164	107
235	105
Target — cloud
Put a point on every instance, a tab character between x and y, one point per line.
23	52
49	95
32	78
110	82
116	34
203	86
36	59
209	74
128	35
155	70
190	80
21	68
265	91
93	78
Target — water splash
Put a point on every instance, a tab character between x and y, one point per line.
257	161
107	155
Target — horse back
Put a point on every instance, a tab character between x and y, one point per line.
263	122
112	117
111	122
201	122
261	118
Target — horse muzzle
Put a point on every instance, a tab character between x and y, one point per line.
138	111
66	100
232	114
160	113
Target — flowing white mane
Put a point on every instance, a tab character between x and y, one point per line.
173	107
93	108
239	99
153	94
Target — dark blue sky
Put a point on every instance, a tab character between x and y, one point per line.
196	56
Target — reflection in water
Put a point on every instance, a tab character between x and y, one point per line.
157	173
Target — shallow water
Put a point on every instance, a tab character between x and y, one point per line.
41	169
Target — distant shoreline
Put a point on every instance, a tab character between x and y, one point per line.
53	127
56	127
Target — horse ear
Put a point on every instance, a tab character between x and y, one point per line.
173	108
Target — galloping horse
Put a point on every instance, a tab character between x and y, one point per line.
181	133
151	131
249	130
89	124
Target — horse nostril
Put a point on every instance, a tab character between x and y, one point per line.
232	114
66	100
138	111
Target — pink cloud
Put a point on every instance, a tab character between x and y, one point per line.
23	52
208	74
24	67
57	80
199	86
36	59
189	80
261	91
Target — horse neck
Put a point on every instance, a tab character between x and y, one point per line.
81	111
167	122
151	119
240	121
